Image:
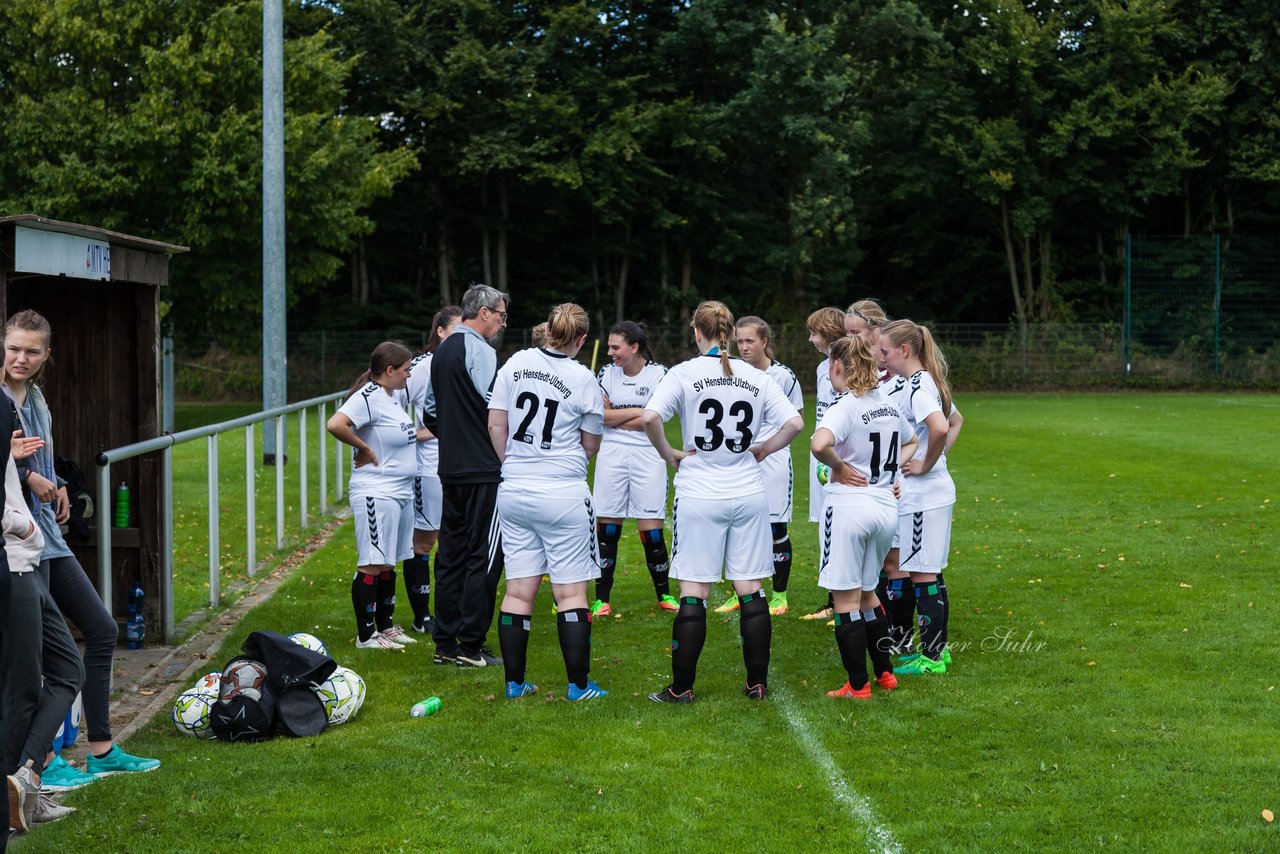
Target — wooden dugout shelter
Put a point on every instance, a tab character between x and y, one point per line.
100	291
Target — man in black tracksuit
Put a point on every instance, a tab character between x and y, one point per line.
469	562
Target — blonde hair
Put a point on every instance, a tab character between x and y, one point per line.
566	322
870	312
539	335
714	320
857	364
31	321
762	329
920	342
827	323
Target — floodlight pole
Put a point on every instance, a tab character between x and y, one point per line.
273	266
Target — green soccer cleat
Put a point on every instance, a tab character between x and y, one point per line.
118	762
730	606
778	604
921	665
907	659
600	609
668	603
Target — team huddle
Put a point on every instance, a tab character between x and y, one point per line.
492	462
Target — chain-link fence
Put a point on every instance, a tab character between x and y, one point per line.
1203	309
1199	312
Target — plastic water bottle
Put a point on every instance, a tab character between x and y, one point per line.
135	630
121	518
425	708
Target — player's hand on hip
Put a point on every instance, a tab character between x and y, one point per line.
757	451
365	457
677	457
848	476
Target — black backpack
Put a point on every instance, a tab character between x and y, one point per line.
78	495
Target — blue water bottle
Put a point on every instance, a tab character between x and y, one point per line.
135	631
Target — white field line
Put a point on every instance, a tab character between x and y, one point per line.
857	805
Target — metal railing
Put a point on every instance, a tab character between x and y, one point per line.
165	444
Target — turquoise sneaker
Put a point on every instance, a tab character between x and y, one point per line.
118	762
591	692
62	776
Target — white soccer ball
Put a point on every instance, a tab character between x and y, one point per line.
342	695
209	684
311	642
242	674
191	713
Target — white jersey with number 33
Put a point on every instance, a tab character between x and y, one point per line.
720	418
548	398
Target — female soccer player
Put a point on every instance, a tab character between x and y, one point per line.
544	505
26	354
721	507
826	326
427	495
631	479
921	391
753	336
381	490
861	438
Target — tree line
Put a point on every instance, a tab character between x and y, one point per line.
979	160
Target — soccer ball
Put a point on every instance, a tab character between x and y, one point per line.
311	642
209	684
824	473
191	713
241	675
342	695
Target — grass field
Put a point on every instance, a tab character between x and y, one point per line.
191	502
1111	577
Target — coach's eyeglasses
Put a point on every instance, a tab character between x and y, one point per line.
501	314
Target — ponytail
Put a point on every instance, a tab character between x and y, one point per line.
921	344
715	322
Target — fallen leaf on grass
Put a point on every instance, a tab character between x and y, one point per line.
1184	584
146	692
1268	816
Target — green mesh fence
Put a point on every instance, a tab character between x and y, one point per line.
1203	309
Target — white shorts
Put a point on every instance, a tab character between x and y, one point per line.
779	484
710	533
631	483
384	530
816	493
428	498
856	532
548	529
924	540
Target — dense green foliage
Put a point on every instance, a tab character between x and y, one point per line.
1136	546
982	160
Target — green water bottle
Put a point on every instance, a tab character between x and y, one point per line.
425	708
121	518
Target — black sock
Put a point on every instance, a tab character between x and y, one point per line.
933	616
781	557
364	598
901	598
655	555
574	628
851	640
946	610
417	583
607	535
386	610
688	634
757	632
878	639
882	587
513	640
